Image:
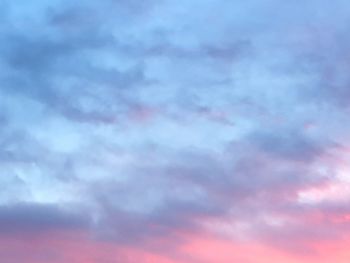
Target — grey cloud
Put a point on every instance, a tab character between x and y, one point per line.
288	144
24	218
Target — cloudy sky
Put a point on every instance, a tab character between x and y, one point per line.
163	131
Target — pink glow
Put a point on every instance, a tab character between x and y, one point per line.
202	248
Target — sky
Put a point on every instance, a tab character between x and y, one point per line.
163	131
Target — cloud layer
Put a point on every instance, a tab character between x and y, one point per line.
174	131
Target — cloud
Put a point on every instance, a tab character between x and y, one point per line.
133	131
24	218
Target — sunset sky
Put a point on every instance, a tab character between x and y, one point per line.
174	131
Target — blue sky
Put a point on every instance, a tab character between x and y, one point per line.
138	128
